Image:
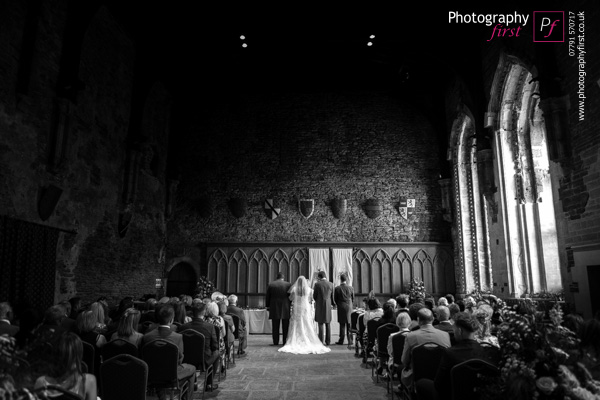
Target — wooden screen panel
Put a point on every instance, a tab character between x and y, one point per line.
259	270
217	268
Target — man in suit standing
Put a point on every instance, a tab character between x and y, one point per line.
278	303
211	343
165	314
5	317
343	297
425	333
233	309
323	296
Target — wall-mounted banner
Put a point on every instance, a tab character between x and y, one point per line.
306	207
406	207
270	209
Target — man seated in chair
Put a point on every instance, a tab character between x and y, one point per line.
466	348
232	308
165	314
425	333
211	343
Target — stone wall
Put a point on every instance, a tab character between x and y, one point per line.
319	145
81	146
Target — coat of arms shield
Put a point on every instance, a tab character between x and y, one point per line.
339	207
306	207
270	209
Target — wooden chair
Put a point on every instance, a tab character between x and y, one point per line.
381	354
237	323
162	358
124	377
466	378
193	342
425	359
117	347
359	336
89	356
56	392
397	348
353	331
372	326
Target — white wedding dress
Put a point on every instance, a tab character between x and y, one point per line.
302	338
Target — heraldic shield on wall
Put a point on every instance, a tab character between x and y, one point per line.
270	209
339	207
306	207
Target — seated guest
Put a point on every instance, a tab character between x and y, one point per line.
573	322
164	316
442	301
5	318
413	311
450	298
128	326
403	321
50	330
466	348
180	314
148	315
229	320
87	331
211	344
373	310
125	303
443	316
232	308
401	304
67	372
425	333
157	323
454	309
97	310
212	316
483	316
67	323
75	307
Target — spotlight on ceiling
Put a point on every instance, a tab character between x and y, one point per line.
370	44
372	37
242	37
244	45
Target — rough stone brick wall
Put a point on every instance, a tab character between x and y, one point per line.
95	261
320	146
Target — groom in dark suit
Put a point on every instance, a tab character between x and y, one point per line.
323	296
278	303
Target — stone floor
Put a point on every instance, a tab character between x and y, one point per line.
265	373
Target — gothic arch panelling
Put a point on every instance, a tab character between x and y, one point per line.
381	272
361	269
423	268
279	262
387	269
237	272
298	264
217	267
258	266
402	263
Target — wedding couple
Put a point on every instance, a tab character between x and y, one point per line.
299	336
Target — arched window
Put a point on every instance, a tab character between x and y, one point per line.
525	259
471	239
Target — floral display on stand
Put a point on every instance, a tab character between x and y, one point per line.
205	288
540	359
416	290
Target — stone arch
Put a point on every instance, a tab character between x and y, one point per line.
181	279
522	164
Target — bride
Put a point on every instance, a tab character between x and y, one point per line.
302	338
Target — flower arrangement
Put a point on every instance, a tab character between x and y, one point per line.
205	288
416	290
539	359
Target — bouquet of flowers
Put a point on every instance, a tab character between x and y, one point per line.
416	290
540	359
205	288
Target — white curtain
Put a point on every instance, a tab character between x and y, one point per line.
342	264
318	260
